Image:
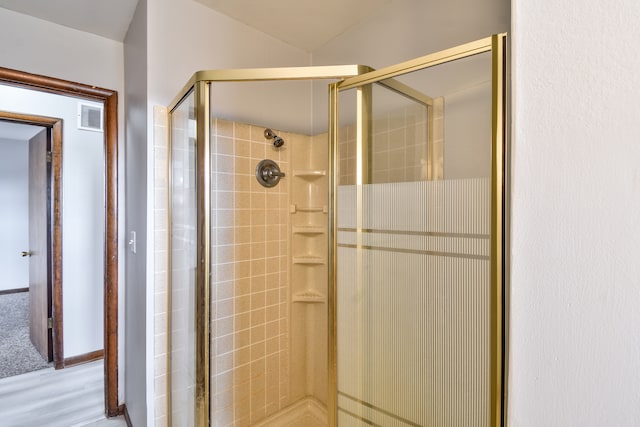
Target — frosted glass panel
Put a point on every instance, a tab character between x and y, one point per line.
183	262
413	271
413	304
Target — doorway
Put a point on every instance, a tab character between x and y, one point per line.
108	98
30	144
24	339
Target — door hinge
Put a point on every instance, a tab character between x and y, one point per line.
49	156
50	323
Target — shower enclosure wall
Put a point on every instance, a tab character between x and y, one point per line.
362	285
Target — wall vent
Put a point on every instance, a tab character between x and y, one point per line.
90	117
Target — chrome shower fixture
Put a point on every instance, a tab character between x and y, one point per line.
268	173
277	141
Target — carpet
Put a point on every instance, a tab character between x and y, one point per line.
17	353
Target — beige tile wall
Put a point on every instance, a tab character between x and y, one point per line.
347	155
400	150
253	373
250	299
160	216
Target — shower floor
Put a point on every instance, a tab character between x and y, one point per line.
307	412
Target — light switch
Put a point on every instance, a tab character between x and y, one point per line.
132	241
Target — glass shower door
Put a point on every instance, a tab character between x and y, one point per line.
182	245
417	254
238	309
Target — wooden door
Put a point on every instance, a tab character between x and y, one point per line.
39	278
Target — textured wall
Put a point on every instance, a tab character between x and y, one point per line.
575	347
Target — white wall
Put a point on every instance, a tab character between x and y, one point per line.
201	39
82	217
575	279
37	46
14	213
406	29
467	133
137	318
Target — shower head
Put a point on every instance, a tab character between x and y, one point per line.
277	141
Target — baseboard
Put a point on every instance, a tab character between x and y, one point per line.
125	412
13	291
83	358
119	412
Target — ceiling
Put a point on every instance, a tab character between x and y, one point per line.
106	18
17	131
306	24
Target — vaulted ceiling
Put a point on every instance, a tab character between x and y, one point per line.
106	18
306	24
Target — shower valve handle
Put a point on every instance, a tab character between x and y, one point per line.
272	173
268	173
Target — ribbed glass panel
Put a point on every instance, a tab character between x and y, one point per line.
183	262
413	271
413	334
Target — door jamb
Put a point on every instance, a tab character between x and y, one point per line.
110	100
54	224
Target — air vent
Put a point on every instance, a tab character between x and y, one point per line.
90	117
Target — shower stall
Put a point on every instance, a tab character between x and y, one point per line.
342	268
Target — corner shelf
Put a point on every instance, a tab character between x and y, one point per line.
309	297
307	259
296	208
309	173
307	229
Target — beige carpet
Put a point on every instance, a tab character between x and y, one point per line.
17	354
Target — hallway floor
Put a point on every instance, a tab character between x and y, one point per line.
72	397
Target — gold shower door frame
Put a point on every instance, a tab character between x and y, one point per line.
200	84
362	83
348	76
